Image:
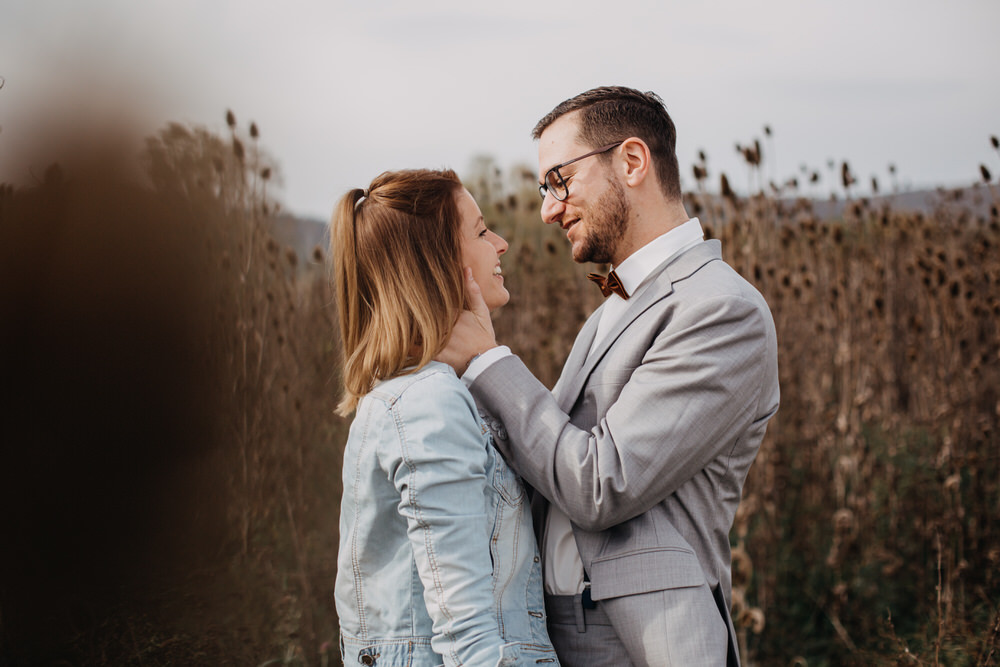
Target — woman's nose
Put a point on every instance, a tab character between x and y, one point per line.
499	243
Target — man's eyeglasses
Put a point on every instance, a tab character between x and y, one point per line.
554	184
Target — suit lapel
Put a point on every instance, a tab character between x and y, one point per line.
574	362
659	287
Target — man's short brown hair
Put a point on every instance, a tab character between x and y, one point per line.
613	113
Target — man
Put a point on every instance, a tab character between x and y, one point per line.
639	454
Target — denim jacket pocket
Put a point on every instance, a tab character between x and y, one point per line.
510	655
505	481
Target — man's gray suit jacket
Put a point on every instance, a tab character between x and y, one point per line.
645	444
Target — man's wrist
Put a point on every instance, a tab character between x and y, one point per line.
482	361
474	357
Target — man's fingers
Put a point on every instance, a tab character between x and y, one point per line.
474	300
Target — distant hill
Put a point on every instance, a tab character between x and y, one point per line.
303	235
977	199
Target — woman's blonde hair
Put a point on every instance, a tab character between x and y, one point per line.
396	251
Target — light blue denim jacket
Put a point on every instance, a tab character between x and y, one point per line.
438	561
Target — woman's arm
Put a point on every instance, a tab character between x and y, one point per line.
439	470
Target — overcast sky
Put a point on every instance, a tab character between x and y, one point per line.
342	91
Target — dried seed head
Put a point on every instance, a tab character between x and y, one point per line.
238	149
742	567
846	177
754	619
230	119
724	187
953	482
843	520
254	132
985	173
993	138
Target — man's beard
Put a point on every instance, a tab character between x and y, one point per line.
607	221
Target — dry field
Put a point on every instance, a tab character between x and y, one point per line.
169	479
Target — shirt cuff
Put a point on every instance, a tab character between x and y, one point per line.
483	361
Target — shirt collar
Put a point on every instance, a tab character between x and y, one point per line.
637	266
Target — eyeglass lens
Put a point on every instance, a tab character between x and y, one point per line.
555	184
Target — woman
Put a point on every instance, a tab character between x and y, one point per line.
437	561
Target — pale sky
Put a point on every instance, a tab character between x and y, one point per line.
342	91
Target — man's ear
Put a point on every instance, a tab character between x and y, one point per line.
636	163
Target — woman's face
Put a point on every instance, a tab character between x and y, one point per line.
481	250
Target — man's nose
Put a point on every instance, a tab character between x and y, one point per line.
552	209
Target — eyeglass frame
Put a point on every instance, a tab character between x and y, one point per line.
543	187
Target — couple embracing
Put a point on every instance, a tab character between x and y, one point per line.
487	520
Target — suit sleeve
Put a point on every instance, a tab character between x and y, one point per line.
695	392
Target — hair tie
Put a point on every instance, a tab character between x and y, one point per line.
364	196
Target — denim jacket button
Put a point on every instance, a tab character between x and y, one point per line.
367	660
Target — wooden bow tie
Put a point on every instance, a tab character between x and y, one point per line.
609	284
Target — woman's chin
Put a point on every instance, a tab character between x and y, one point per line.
499	301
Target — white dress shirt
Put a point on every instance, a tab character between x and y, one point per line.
562	568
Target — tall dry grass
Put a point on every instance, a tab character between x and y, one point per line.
869	522
170	467
170	472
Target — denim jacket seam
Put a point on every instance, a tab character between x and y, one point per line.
355	556
432	559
